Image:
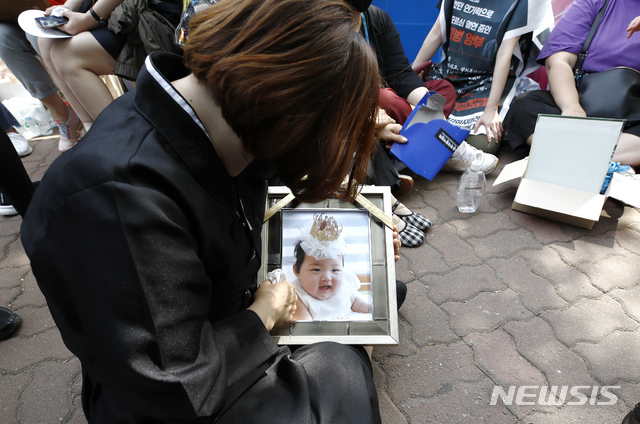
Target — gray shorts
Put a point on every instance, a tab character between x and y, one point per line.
22	60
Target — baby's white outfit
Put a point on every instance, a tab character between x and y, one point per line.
338	306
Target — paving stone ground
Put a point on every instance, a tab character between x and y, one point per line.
496	298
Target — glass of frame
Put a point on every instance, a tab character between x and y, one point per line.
369	258
331	289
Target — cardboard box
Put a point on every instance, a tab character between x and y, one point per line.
562	177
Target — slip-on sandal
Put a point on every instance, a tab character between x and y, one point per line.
414	218
404	186
410	236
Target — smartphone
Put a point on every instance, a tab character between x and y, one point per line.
51	21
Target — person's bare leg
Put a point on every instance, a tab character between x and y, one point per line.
369	350
529	139
628	150
57	107
80	61
401	209
46	45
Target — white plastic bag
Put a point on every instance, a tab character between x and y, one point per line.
34	118
525	84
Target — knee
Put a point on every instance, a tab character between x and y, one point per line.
442	87
321	354
63	59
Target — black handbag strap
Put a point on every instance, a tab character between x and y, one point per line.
585	47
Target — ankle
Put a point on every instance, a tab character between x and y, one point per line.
402	210
63	116
398	223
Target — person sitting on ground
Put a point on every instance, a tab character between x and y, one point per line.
485	48
16	188
325	289
12	144
402	89
145	238
77	63
18	52
11	179
614	44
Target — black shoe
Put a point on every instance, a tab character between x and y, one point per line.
404	186
633	417
401	293
9	321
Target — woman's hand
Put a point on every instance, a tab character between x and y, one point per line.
396	244
387	129
275	304
492	124
78	22
391	134
574	111
382	119
634	26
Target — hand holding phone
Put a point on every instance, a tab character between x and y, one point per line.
51	21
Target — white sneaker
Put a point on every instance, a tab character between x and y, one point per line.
69	131
20	143
6	209
465	154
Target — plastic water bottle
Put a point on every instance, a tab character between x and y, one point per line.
471	187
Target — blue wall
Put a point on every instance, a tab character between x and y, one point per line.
413	18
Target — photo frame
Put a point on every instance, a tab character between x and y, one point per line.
370	256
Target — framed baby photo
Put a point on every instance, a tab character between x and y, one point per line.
339	257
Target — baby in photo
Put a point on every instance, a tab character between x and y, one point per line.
326	291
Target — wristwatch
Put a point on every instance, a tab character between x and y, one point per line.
97	17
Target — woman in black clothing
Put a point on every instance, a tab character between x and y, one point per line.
145	238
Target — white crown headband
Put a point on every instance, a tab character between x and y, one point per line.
322	239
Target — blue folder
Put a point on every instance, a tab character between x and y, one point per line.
431	139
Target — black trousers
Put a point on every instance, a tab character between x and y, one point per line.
521	119
381	170
15	183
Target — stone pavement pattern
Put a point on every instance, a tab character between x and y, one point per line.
495	298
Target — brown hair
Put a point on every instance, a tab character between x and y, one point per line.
296	82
